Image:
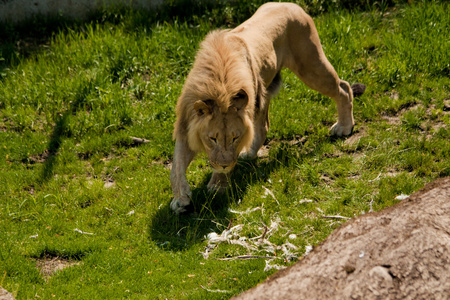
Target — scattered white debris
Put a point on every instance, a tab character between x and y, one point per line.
377	178
305	201
250	210
290	246
130	213
269	192
274	225
108	184
254	245
208	250
308	249
286	247
34	236
270	267
214	291
247	257
267	247
82	232
361	255
243	244
229	236
213	237
225	235
402	197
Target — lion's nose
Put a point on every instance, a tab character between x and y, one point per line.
224	166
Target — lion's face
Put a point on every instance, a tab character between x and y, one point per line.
223	133
223	140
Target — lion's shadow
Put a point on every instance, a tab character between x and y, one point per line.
210	212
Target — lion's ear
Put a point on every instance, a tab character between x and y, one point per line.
203	107
240	100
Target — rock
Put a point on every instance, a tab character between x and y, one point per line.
402	252
5	295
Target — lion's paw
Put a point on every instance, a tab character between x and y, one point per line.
218	183
179	205
340	130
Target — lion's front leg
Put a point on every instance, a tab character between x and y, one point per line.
218	182
182	157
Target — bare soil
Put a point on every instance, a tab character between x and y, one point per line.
51	265
402	252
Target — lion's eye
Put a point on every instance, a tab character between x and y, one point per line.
213	139
235	138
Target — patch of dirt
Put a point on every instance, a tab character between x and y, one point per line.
392	120
396	112
336	154
325	178
413	105
394	95
402	252
391	173
49	266
446	106
298	140
167	164
108	184
355	137
30	189
39	158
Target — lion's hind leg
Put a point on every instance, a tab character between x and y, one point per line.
344	102
262	119
328	84
312	67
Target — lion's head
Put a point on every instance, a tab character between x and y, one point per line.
222	132
215	111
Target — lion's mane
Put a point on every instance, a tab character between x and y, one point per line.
221	69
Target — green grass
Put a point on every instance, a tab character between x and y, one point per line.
71	98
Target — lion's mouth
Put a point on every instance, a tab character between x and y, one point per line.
223	169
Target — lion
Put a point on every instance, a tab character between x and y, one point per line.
223	109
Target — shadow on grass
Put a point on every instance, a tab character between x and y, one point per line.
210	212
20	41
60	130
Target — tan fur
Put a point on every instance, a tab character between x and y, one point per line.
218	74
223	109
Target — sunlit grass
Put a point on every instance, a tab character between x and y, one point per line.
69	107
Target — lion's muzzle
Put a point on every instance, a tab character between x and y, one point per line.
223	167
